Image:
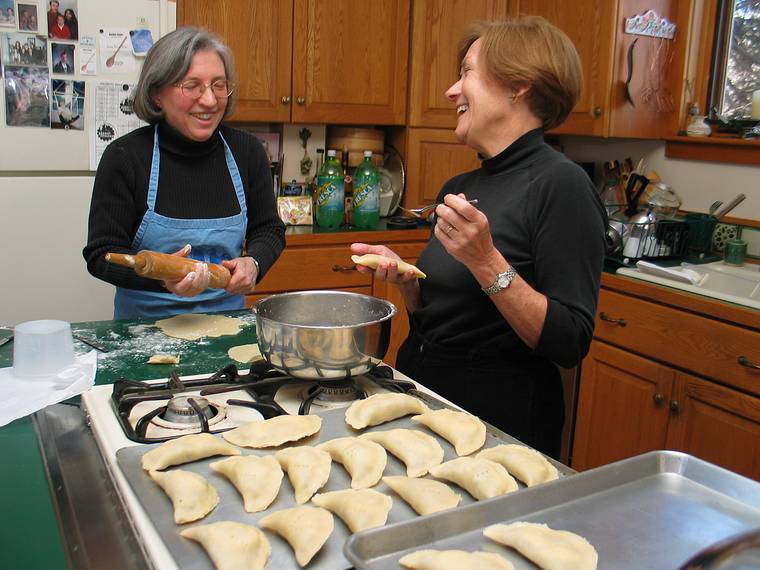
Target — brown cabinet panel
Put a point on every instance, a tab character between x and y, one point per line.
705	346
259	35
350	61
622	409
434	156
438	27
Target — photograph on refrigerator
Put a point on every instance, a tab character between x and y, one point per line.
62	57
62	20
26	80
67	105
7	14
27	18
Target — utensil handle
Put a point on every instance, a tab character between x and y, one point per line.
730	206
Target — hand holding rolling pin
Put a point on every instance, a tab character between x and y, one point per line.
194	282
244	272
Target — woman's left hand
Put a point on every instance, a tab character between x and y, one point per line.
464	232
243	278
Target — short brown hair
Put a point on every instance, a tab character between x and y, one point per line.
531	51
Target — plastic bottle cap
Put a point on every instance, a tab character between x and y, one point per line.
368	153
331	153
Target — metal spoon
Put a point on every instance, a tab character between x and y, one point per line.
714	206
425	210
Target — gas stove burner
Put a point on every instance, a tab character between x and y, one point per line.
330	394
179	410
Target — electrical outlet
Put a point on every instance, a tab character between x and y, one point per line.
142	21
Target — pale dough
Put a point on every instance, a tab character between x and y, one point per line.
245	353
193	326
164	359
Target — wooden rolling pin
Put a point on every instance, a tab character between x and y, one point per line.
155	265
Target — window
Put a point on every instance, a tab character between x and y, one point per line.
736	64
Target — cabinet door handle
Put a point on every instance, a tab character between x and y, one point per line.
658	399
285	99
598	111
343	268
675	407
744	361
301	100
608	319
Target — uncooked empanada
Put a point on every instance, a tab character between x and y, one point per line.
381	408
454	560
191	494
186	449
548	548
257	479
464	431
372	260
419	451
363	459
527	464
305	528
232	545
481	478
274	431
308	469
424	495
359	509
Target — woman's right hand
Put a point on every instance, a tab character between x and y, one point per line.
194	282
385	271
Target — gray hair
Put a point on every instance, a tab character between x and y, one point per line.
167	63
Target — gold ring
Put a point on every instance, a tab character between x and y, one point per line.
447	231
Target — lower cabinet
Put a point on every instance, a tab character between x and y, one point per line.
323	261
629	404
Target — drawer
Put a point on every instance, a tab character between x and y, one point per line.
303	268
691	342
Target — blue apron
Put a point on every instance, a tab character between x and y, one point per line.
212	240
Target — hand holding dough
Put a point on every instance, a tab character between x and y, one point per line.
372	260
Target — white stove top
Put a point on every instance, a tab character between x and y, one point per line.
110	438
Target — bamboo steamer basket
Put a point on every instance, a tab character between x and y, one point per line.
356	141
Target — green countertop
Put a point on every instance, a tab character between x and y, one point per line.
27	520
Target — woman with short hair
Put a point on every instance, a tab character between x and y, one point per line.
184	184
512	282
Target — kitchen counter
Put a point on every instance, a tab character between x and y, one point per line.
27	518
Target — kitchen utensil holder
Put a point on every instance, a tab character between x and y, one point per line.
655	239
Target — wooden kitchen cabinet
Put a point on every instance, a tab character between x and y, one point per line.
669	375
323	261
309	61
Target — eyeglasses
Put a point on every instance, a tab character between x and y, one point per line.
221	88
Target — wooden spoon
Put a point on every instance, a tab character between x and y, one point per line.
110	61
84	67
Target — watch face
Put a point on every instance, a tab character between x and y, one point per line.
503	280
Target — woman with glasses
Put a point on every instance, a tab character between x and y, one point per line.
184	184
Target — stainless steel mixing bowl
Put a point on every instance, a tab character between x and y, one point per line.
323	335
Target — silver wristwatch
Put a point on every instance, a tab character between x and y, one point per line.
503	281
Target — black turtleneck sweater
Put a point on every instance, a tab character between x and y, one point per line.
547	221
194	182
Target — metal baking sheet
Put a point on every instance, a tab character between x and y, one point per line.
190	555
652	511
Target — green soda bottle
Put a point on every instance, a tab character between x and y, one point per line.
330	193
366	202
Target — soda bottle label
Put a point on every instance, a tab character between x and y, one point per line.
329	201
365	197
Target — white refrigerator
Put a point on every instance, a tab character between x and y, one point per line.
46	174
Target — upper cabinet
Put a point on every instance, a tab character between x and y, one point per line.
652	69
311	61
438	26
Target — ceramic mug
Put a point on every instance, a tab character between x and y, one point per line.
735	251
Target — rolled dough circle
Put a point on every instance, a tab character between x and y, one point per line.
245	353
193	326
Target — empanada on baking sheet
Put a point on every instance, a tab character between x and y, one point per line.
454	560
419	451
257	479
425	496
548	548
305	528
462	430
308	469
274	431
191	494
360	509
381	408
481	478
232	545
363	459
527	464
186	449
